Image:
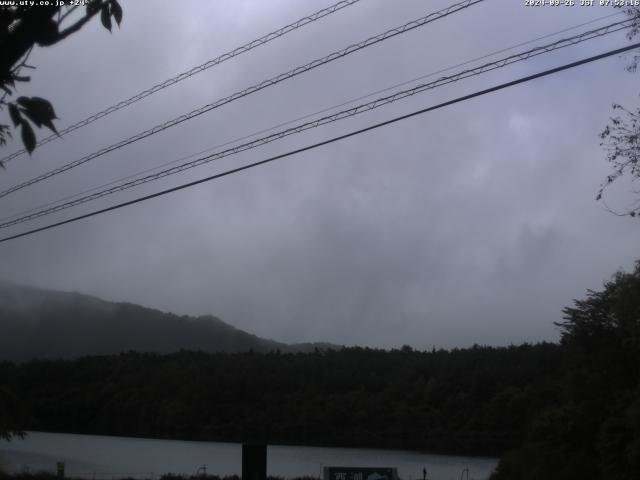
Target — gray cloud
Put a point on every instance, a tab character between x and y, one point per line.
475	223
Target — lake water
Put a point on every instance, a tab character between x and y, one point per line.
100	457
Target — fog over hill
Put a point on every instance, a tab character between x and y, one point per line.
38	323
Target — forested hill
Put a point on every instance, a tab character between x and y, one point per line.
37	323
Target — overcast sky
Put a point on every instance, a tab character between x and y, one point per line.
476	223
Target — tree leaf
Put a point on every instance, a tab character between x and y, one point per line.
24	101
105	18
47	32
44	111
14	113
49	124
116	11
39	111
28	137
30	115
44	107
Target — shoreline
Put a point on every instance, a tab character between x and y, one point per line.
269	444
110	458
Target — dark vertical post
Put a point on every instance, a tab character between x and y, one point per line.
254	461
60	469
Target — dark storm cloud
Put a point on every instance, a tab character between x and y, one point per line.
474	223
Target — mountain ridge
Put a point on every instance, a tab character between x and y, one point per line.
38	323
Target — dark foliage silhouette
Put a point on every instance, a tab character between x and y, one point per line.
621	137
23	27
593	431
474	401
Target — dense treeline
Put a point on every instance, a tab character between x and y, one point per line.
593	430
472	401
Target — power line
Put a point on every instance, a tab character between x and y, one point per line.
253	89
329	141
309	115
379	102
193	71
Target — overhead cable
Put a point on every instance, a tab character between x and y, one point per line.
350	112
193	71
304	117
329	141
253	89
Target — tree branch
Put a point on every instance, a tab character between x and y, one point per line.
66	14
79	24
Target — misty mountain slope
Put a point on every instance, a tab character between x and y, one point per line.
38	323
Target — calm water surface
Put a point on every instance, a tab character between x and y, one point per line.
99	457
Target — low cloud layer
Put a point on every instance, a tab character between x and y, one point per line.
472	224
